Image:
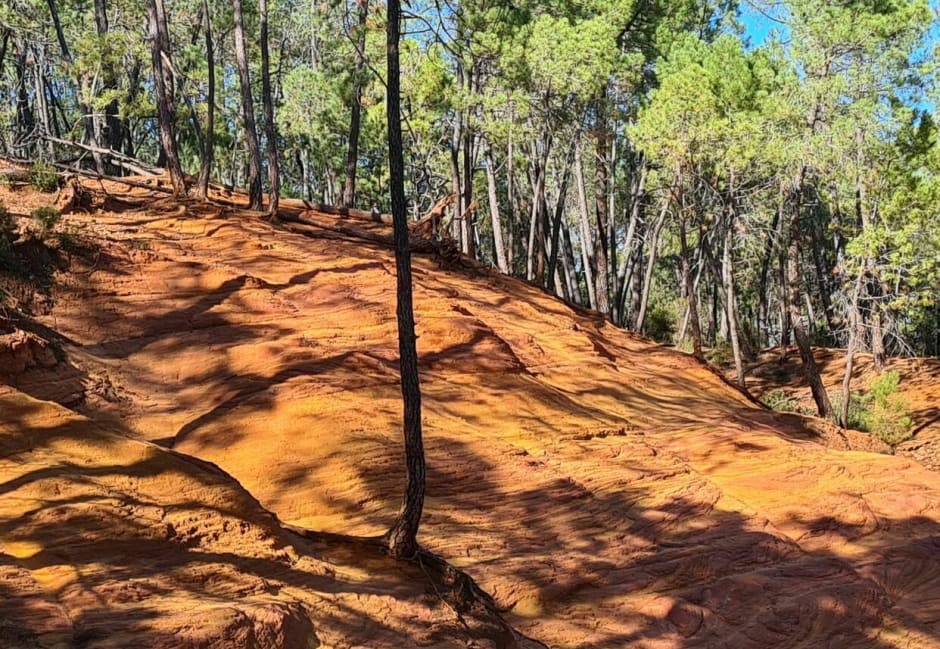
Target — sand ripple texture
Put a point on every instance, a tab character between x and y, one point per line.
607	491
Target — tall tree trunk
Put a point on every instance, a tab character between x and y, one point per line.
855	331
559	213
730	308
163	86
402	537
205	165
270	125
635	215
355	112
651	266
786	328
496	223
763	316
587	243
601	248
797	323
568	266
466	223
689	287
248	110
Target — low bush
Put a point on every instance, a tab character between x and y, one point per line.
45	220
881	411
44	177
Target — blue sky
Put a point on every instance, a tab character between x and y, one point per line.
760	18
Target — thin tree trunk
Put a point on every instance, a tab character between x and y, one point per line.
651	266
810	370
587	244
248	110
636	210
163	82
497	226
568	265
559	213
689	287
600	208
855	331
402	537
205	165
730	310
270	125
355	113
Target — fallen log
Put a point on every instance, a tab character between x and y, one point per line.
125	161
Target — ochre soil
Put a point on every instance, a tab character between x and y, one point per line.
607	491
919	388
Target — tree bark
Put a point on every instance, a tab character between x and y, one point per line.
496	223
810	370
855	331
689	288
730	307
587	243
355	113
600	208
270	125
163	86
248	110
208	153
650	266
559	214
402	537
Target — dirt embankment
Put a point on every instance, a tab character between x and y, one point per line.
607	492
919	388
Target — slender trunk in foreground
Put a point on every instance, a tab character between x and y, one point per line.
402	538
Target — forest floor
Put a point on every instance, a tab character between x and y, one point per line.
919	388
605	490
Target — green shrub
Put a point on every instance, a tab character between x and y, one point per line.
887	414
781	401
660	324
721	354
44	177
44	220
881	411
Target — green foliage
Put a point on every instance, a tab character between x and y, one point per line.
782	401
887	414
720	354
660	323
44	177
45	220
881	411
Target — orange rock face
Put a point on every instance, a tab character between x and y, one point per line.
607	491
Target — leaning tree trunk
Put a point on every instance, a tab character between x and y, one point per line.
797	324
248	110
689	288
587	244
270	125
402	537
496	223
163	87
355	113
205	166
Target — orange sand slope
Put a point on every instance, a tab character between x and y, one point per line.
607	491
110	542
